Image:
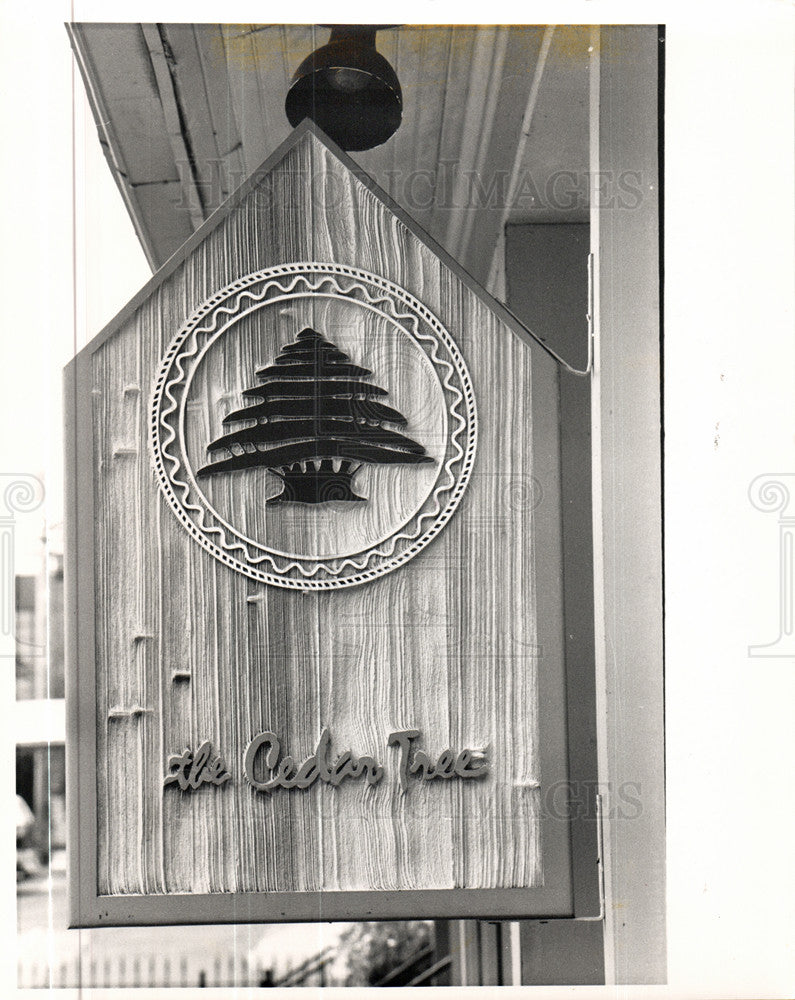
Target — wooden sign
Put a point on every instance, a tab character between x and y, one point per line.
316	663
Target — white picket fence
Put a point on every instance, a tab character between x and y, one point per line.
142	970
152	970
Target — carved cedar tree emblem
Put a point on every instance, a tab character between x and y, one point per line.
324	462
313	421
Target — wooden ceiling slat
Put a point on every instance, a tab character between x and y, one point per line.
379	162
232	81
484	203
245	96
557	149
107	126
427	60
191	95
123	73
269	69
393	41
210	44
474	132
449	144
162	60
496	169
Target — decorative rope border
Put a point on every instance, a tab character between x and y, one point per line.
168	447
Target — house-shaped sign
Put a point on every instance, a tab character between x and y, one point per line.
315	649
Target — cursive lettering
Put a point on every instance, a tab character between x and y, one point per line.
190	770
466	764
317	767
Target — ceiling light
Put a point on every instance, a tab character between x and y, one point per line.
348	89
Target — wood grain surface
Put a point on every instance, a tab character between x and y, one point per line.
450	644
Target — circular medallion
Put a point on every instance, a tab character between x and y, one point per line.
313	426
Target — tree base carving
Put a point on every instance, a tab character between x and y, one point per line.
320	485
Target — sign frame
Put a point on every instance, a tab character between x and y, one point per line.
570	840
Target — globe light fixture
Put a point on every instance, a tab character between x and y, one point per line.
348	89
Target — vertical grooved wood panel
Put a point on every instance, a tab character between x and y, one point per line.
450	643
